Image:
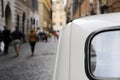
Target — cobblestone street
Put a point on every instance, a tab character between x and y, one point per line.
27	67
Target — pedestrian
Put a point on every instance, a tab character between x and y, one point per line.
58	33
1	39
1	36
55	35
17	36
32	40
46	36
6	39
50	35
38	34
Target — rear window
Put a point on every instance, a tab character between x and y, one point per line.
103	55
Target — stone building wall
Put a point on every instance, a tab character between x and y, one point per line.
9	11
23	14
106	6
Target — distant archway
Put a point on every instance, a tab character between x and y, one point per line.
8	19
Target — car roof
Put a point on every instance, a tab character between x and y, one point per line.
98	21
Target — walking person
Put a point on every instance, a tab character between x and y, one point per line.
6	39
1	39
32	40
46	36
55	35
58	33
17	36
1	36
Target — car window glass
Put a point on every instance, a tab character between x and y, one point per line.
105	55
93	58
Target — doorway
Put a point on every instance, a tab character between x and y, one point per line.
8	18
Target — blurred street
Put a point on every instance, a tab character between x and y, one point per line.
27	67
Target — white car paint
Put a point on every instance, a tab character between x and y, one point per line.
70	56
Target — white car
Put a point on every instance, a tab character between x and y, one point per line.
89	49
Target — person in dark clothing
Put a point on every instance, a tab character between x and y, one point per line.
17	36
1	39
1	36
6	39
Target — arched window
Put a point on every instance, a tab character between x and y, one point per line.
2	8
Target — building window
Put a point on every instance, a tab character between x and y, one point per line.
103	6
54	23
60	23
2	7
61	16
91	9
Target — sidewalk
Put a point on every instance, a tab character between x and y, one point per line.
26	67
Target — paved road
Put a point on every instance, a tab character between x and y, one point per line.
26	67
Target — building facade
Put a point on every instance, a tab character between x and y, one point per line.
76	9
93	7
7	12
81	8
26	15
69	9
106	6
45	15
21	13
58	15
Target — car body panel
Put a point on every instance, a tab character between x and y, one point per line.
70	60
63	60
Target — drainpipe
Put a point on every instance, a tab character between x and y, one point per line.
79	8
98	7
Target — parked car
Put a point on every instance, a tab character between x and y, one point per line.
89	49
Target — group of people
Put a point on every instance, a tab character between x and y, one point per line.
15	38
43	36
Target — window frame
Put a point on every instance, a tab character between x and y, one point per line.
88	50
